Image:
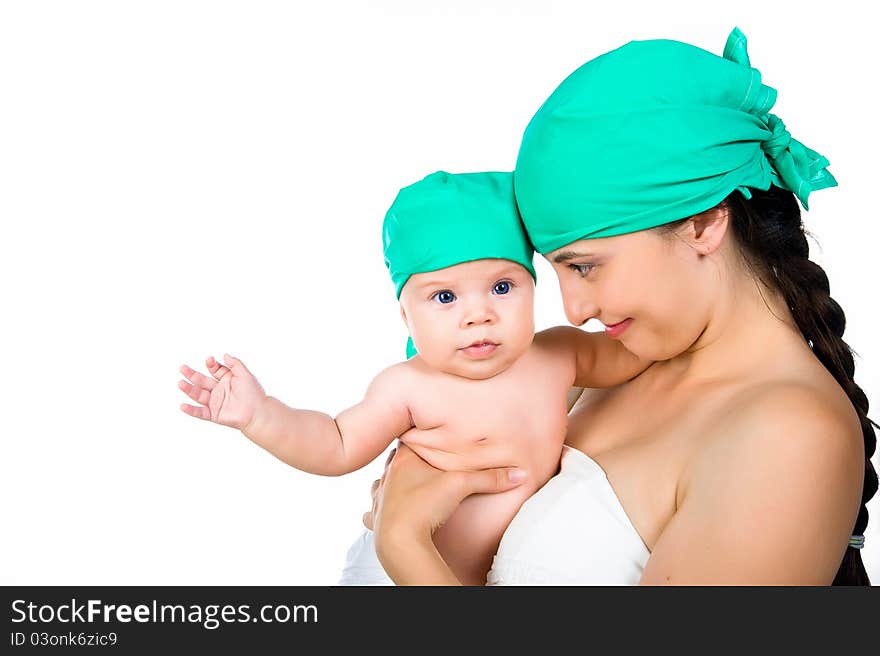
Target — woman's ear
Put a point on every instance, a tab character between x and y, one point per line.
705	232
403	316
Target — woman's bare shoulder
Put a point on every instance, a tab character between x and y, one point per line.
780	423
783	466
789	406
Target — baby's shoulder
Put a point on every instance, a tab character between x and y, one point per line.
400	372
393	380
557	340
554	346
405	377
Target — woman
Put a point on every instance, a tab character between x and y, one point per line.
663	193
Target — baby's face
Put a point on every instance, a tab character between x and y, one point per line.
472	319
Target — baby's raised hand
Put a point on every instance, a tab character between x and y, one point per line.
230	398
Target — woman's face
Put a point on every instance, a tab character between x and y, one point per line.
657	284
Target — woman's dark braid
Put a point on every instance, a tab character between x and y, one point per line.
769	228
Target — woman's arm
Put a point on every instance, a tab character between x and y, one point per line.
415	562
412	500
771	502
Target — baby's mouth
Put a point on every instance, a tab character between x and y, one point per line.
482	342
482	348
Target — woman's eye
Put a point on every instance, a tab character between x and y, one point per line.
502	287
445	297
583	269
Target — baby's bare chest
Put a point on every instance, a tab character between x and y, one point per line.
477	424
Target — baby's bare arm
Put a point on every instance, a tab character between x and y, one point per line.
599	360
317	443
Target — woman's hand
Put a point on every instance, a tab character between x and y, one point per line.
230	398
412	500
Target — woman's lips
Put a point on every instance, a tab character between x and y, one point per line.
480	351
615	330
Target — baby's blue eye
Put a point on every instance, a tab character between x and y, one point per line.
445	297
502	287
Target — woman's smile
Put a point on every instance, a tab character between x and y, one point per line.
616	329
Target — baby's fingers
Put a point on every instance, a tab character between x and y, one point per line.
199	394
217	370
198	379
235	364
195	411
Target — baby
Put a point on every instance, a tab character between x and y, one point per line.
479	390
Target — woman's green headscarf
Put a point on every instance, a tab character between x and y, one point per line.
653	132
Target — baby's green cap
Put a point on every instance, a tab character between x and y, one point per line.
451	218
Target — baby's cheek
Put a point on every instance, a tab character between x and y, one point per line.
518	347
526	333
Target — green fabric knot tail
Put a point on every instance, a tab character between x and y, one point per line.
797	168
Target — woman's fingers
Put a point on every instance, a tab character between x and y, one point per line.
499	479
381	480
418	497
489	481
200	380
367	519
198	394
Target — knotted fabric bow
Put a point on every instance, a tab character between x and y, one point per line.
796	167
653	132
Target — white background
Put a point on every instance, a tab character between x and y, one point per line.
179	179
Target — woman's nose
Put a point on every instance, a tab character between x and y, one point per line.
578	308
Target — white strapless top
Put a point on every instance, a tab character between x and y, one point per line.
573	531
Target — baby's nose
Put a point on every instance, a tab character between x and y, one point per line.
478	316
